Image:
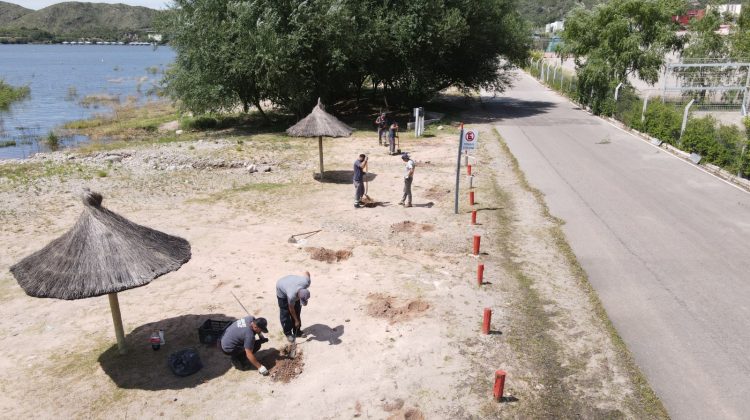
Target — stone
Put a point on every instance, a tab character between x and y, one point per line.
178	132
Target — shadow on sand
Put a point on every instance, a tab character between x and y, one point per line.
144	368
341	177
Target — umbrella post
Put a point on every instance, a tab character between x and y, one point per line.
320	152
114	305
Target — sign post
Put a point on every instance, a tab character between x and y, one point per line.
458	166
467	141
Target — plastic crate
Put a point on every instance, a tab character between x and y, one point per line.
211	330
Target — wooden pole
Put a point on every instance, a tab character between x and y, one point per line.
320	151
114	305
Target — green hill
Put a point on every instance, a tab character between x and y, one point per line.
10	12
78	20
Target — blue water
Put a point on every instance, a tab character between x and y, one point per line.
60	76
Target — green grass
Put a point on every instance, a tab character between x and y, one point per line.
22	173
10	94
126	122
8	143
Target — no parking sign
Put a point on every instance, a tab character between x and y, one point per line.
469	140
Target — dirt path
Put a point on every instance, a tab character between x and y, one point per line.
392	330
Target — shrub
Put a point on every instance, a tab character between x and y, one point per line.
718	144
662	121
52	141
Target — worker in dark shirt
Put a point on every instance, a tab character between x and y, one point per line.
239	341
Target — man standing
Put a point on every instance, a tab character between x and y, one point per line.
382	123
239	342
359	175
408	177
292	293
392	136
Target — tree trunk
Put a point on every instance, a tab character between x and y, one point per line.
320	151
262	114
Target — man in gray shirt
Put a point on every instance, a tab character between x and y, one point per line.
239	341
292	293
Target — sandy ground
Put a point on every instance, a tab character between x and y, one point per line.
427	360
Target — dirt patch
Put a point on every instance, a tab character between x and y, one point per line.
287	369
328	255
437	193
411	227
394	405
384	306
410	414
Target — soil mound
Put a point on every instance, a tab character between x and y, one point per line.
384	306
437	193
287	369
328	255
411	227
410	414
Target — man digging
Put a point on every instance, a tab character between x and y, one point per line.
239	342
292	293
359	175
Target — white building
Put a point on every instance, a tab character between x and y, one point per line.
154	37
555	26
727	9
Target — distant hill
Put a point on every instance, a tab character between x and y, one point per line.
77	20
10	12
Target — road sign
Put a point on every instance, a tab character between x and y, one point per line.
469	141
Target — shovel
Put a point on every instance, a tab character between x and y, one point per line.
293	239
367	197
293	351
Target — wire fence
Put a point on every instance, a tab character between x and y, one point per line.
707	123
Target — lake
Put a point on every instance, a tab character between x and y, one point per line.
65	81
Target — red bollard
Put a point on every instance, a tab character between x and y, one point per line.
477	239
499	384
471	197
473	217
486	321
480	274
468	169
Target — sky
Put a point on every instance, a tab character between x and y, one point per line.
40	4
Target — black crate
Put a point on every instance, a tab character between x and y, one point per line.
211	330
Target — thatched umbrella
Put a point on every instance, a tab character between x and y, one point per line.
319	124
103	254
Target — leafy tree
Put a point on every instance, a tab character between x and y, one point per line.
291	51
618	40
740	37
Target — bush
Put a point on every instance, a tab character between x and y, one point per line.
717	143
52	141
201	122
662	121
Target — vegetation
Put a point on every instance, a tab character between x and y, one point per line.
616	40
10	94
73	21
130	122
291	52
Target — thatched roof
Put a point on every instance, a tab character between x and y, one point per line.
103	253
319	123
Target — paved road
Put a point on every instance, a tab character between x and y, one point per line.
666	246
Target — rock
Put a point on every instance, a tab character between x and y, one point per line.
440	127
267	169
113	158
178	132
251	168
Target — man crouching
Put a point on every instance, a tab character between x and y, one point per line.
239	342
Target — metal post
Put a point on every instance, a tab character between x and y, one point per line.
645	104
617	91
742	155
458	166
554	76
114	306
685	117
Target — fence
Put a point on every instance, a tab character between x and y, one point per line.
693	122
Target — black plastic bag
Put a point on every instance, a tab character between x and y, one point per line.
185	362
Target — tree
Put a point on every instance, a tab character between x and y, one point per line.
293	52
616	41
